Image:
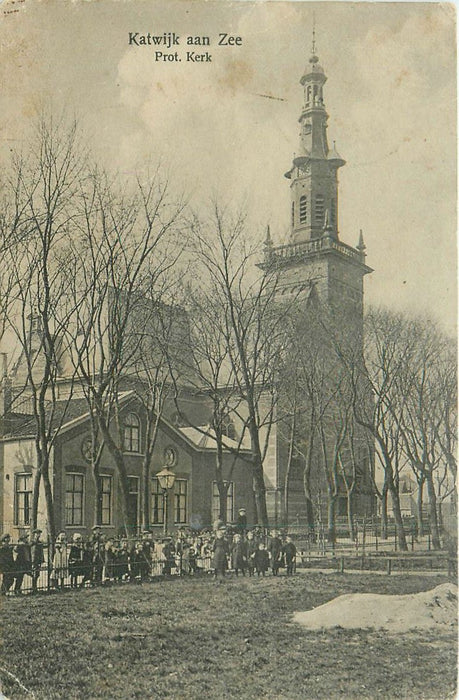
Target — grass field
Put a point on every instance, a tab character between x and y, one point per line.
193	638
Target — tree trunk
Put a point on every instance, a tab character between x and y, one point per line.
49	500
35	497
118	458
258	476
434	529
419	503
401	539
331	513
309	505
97	498
384	512
146	492
350	515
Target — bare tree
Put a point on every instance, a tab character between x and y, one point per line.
378	405
42	184
252	324
126	239
206	368
427	405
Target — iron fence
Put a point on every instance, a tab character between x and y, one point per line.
51	576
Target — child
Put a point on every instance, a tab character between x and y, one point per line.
75	560
122	561
239	555
261	559
110	560
221	553
60	561
251	547
289	552
140	565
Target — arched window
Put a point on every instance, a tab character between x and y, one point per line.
308	94
228	428
131	433
293	213
316	91
303	209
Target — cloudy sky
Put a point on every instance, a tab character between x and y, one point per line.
228	128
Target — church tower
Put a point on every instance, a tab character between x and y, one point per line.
315	261
321	274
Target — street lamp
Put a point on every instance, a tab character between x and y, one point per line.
166	479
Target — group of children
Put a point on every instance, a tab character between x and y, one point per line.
101	559
247	553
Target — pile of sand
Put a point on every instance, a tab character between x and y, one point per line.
396	613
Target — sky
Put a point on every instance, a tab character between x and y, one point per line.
228	128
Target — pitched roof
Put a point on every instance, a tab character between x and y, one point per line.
63	415
204	437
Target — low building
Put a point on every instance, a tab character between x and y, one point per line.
189	453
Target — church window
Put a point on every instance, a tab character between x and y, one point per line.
157	503
303	209
132	433
316	89
228	428
229	501
22	499
104	507
319	209
180	500
74	492
293	213
308	97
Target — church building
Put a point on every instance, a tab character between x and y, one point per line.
316	268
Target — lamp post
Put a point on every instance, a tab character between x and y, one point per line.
166	479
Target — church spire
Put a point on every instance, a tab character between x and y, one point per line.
313	175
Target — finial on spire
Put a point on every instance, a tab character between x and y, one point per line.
313	33
361	247
268	240
268	244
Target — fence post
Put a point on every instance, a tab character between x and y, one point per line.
389	566
341	567
395	538
49	566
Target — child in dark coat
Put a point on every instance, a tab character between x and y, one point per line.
6	563
239	555
261	560
140	566
289	552
221	553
